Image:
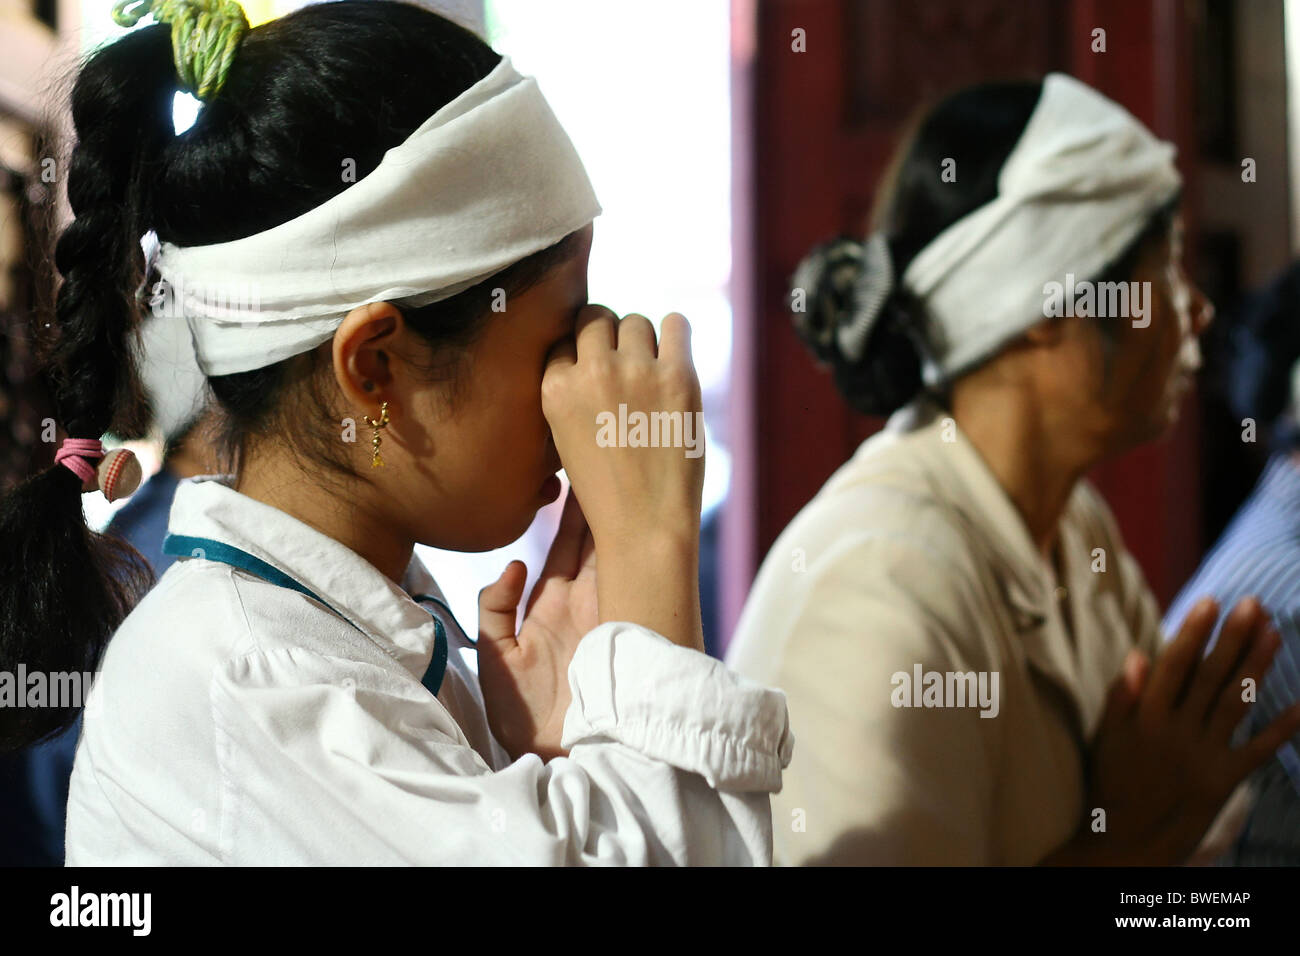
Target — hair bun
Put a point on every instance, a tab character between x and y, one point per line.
856	318
822	292
848	283
888	375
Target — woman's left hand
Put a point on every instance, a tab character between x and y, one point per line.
525	677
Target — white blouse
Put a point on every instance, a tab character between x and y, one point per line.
913	561
237	721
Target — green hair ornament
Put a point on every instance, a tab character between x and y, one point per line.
205	36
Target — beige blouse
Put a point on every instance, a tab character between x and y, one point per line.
904	588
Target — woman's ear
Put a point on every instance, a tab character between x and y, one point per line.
363	349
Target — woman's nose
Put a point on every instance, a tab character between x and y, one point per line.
1202	311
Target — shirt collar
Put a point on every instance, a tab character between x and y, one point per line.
209	506
965	482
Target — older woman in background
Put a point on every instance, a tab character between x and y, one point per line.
969	652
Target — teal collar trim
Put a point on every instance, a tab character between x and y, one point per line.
209	549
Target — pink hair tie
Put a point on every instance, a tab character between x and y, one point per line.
117	476
73	454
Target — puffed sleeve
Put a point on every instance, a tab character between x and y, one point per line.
873	782
672	760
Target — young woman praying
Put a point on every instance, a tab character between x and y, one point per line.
365	185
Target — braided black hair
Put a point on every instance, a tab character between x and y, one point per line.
330	83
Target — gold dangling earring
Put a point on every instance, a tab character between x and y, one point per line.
377	461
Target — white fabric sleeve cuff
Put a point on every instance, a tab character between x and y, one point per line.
635	687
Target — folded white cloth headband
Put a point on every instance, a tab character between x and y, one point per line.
171	377
488	180
1080	184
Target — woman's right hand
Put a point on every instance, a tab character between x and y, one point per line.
641	503
1162	762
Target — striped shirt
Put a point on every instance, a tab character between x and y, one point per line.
1259	554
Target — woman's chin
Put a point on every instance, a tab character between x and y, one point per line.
1159	420
486	539
1175	403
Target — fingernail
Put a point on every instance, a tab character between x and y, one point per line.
1246	608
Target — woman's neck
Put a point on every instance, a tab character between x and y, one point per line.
347	519
1036	462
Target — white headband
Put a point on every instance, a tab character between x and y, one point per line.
1081	183
488	180
171	377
